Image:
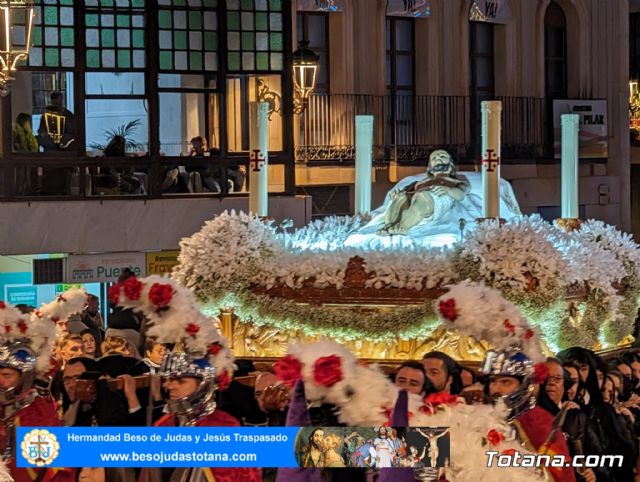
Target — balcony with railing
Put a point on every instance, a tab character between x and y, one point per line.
407	128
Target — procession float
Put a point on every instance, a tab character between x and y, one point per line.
369	281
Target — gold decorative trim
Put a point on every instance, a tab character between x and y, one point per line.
569	224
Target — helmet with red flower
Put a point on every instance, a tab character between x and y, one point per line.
27	341
201	351
482	312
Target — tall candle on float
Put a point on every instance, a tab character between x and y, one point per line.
259	158
491	110
364	162
569	155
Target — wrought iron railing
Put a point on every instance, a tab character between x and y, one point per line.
326	130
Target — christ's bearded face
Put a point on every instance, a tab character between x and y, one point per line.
440	163
317	438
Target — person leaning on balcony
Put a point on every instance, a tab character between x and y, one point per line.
235	174
202	176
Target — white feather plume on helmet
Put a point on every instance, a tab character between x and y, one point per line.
5	476
176	318
43	321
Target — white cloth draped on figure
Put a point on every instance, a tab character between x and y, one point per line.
443	227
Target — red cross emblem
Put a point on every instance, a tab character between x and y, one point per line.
256	160
491	160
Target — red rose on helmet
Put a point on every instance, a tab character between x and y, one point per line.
448	309
441	398
494	437
223	380
3	305
528	334
133	288
510	327
192	329
288	370
214	348
161	294
540	373
22	326
327	370
510	452
114	293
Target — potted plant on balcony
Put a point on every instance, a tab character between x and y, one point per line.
117	180
125	131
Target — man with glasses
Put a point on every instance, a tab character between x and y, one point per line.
575	423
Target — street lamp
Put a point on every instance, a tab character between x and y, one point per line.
305	69
16	23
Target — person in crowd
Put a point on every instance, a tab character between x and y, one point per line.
22	404
190	386
202	177
130	322
90	347
154	352
45	138
56	181
442	372
235	174
88	400
116	345
572	373
467	376
552	399
633	360
510	376
618	422
25	141
92	318
69	346
412	377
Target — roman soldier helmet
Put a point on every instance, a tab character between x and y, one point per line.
27	341
482	312
200	351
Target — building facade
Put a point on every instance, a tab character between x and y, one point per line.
162	72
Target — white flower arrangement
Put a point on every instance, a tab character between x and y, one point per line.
328	234
621	316
517	257
225	252
533	263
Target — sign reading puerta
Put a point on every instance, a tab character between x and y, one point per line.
593	126
102	268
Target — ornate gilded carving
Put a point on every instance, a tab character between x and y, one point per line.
569	224
249	340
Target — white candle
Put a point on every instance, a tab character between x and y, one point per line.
491	110
569	154
259	156
364	162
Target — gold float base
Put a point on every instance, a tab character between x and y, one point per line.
251	341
